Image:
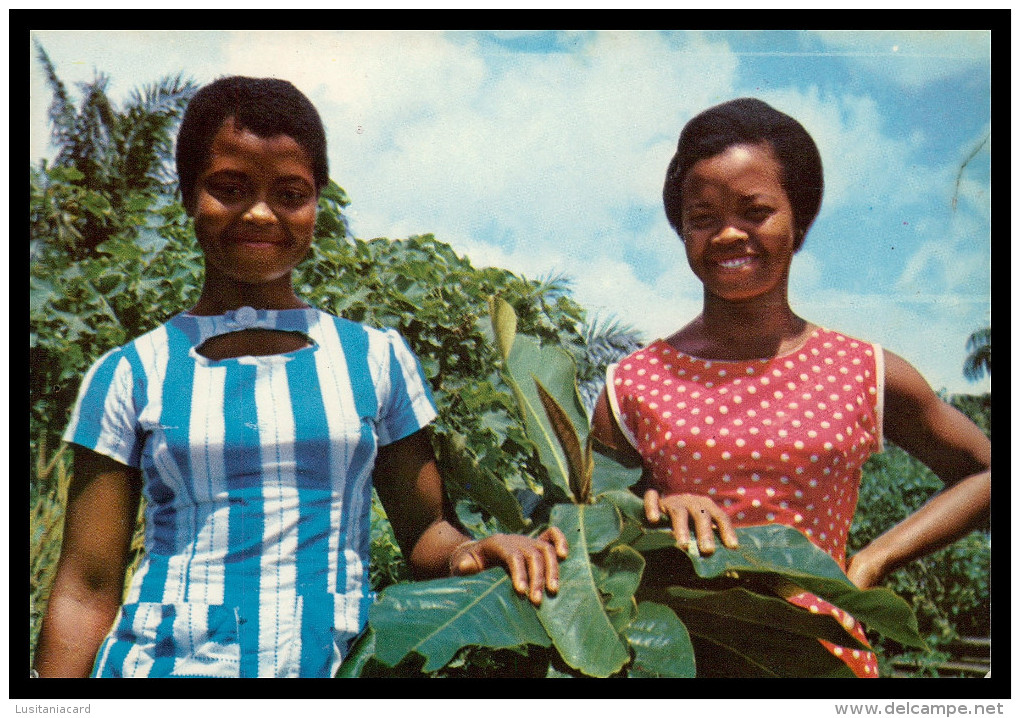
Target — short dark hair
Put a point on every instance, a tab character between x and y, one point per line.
750	121
266	107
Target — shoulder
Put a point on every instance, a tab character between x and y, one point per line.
379	346
350	326
904	384
356	333
650	353
835	339
140	346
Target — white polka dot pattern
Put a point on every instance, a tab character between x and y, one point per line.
778	440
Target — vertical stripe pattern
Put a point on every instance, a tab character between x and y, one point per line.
258	480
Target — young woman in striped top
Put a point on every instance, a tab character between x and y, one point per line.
256	427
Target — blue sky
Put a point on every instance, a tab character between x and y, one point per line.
544	152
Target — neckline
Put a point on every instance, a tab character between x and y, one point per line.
199	328
245	309
814	334
251	359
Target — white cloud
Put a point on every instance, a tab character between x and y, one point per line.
546	163
856	153
930	331
546	147
604	285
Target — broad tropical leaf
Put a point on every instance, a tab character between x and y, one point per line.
575	617
437	618
738	648
461	470
752	609
527	365
786	551
578	464
662	646
618	576
610	476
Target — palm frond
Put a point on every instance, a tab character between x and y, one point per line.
606	340
62	111
979	361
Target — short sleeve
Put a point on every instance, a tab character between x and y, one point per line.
614	404
409	405
104	418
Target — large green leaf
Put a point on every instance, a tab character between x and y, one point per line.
575	618
609	475
555	369
618	576
662	646
736	648
526	365
437	618
782	551
579	461
757	610
786	551
461	470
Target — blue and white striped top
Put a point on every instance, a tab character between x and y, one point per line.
257	477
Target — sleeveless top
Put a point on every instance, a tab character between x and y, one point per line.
257	476
777	440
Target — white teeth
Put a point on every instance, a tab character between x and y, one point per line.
733	263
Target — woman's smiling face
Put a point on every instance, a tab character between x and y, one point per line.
737	223
255	206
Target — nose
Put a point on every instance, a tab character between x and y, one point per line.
260	213
730	234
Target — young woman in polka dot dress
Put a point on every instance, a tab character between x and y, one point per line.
750	415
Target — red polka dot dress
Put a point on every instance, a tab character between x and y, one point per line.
777	440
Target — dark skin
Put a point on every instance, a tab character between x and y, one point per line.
739	235
254	216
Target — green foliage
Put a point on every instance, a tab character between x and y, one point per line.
979	360
948	590
439	303
110	160
46	528
718	615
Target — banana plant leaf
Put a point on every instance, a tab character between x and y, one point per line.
662	646
782	551
731	640
462	471
575	618
526	363
437	618
756	610
786	551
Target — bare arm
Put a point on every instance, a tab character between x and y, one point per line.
411	491
951	446
102	505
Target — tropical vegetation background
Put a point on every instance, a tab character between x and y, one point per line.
112	256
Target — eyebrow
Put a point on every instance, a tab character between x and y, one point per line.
227	173
756	197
